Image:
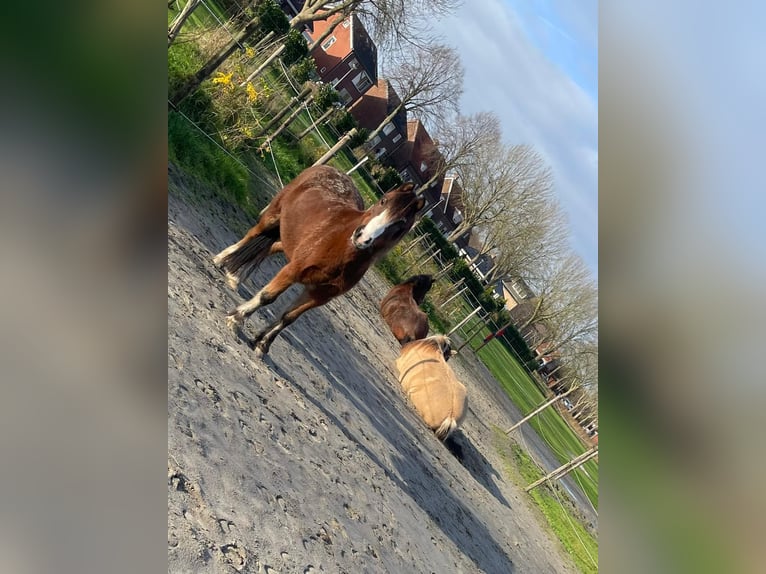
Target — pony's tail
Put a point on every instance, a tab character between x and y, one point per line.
446	428
242	262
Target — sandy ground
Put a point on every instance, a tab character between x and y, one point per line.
311	460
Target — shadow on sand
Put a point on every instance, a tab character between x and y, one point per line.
474	462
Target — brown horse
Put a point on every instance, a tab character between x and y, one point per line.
319	222
399	309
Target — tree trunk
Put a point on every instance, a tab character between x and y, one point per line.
422	261
460	292
415	241
263	41
385	121
326	34
266	63
316	124
214	63
336	148
290	119
286	110
178	22
460	230
566	468
470	336
312	14
542	407
464	321
529	321
444	271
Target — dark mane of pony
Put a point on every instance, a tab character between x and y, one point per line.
420	286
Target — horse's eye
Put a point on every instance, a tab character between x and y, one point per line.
383	201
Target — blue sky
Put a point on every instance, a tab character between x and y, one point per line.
535	64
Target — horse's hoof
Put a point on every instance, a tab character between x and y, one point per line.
232	280
235	319
260	349
218	261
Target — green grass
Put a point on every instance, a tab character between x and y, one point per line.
519	467
200	18
564	443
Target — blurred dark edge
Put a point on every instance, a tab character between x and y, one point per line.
83	191
681	312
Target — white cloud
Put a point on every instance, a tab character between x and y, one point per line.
537	102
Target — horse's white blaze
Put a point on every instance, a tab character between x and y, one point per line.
374	228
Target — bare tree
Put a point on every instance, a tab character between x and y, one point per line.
533	234
180	19
428	80
497	180
393	24
566	304
458	140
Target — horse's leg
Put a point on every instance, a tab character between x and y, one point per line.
305	301
273	289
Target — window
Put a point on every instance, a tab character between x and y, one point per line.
327	43
346	22
345	97
379	152
388	128
423	166
375	141
362	81
397	138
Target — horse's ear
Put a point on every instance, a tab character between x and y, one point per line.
421	202
407	187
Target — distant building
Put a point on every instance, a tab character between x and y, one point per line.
375	106
515	292
418	158
347	59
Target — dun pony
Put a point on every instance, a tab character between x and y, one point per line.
319	222
399	309
431	385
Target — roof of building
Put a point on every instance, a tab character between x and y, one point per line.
376	104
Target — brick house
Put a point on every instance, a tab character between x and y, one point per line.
375	106
448	215
347	59
416	158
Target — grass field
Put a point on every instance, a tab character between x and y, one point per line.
577	541
549	425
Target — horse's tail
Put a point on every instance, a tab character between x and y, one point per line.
446	428
246	259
